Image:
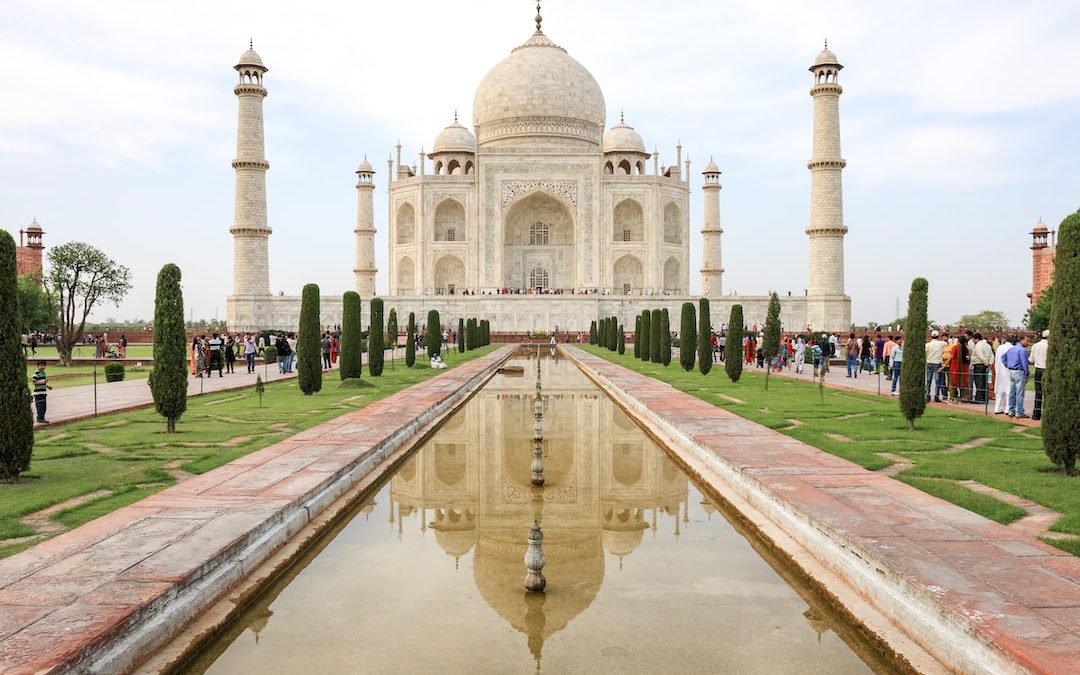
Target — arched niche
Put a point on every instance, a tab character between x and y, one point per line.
538	232
406	224
672	275
628	274
673	224
449	274
406	277
449	221
628	221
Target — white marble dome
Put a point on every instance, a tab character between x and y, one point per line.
623	138
455	138
826	58
250	58
539	90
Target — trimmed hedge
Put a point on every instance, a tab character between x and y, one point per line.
114	372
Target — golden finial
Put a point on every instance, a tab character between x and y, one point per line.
539	19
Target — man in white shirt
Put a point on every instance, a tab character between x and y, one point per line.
935	349
1001	378
982	356
1038	359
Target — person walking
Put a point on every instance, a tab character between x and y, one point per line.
982	356
935	350
800	354
230	354
1016	360
41	390
249	352
326	349
866	354
896	360
1001	378
217	356
879	354
851	355
1038	359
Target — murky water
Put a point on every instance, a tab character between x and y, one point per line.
645	574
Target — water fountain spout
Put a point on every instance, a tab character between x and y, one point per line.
535	561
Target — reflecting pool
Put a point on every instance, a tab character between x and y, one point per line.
645	574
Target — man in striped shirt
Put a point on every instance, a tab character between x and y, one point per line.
41	390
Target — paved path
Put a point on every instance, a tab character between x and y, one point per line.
958	573
96	598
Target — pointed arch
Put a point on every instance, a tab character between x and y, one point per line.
406	224
673	275
406	277
628	221
453	168
628	274
673	224
624	167
449	275
449	221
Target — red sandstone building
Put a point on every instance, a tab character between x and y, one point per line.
1043	249
28	253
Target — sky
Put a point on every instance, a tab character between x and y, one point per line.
960	124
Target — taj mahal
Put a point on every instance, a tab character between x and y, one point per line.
539	217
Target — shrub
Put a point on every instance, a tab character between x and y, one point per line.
352	352
665	338
687	336
114	372
913	366
434	334
375	338
637	337
655	339
771	340
392	331
622	341
646	335
308	344
410	346
16	420
1061	380
704	336
733	350
270	355
461	341
168	379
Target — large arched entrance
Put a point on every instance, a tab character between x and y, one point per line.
538	248
629	275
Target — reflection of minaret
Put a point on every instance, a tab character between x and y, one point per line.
250	231
817	622
535	621
259	619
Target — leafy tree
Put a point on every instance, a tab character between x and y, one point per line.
770	343
687	336
434	333
410	346
16	420
665	337
169	378
986	320
1061	380
646	335
376	346
733	350
1038	317
352	350
637	337
913	370
704	336
656	331
592	333
308	343
461	346
622	340
81	276
37	307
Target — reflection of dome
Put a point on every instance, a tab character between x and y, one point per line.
539	90
575	571
455	138
623	138
622	543
455	531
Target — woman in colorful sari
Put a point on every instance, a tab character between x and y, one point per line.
335	347
195	351
958	369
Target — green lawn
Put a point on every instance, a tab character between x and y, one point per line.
88	351
129	455
859	426
75	376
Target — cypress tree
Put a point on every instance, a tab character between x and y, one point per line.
410	346
609	333
704	336
616	329
622	341
470	335
351	343
687	336
733	351
602	329
771	340
592	333
483	332
168	380
913	368
375	338
1061	379
646	337
665	337
461	346
655	334
637	337
434	333
16	420
308	347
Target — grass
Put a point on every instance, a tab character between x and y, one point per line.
130	455
88	351
61	377
859	426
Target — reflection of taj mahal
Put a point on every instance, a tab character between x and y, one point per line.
538	217
606	484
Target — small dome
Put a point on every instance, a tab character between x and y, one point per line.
35	227
826	58
455	138
250	58
623	138
1040	227
365	167
711	167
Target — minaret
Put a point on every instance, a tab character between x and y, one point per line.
250	231
1042	260
827	308
712	272
365	231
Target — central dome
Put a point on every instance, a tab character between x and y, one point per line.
539	90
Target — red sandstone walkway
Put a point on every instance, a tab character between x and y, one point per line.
1015	594
88	599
